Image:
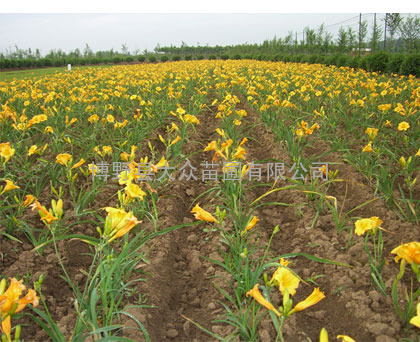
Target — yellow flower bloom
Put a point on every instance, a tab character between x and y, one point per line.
368	148
251	224
161	163
6	152
32	150
403	126
367	224
118	223
178	138
345	338
256	294
285	279
372	132
28	200
9	186
78	164
134	191
93	118
418	153
201	214
240	153
416	319
48	129
410	252
312	299
323	336
110	118
212	146
191	119
385	107
10	300
63	158
244	140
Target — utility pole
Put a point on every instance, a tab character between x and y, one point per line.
386	17
360	24
296	42
374	32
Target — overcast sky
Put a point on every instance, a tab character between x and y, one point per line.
145	31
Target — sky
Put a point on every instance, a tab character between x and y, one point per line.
144	31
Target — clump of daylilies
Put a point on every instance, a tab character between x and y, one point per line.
12	303
407	253
371	228
287	283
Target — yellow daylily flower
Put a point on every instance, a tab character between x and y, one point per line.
78	164
118	223
416	319
251	223
345	338
256	294
368	148
367	224
403	126
9	186
240	153
201	214
372	132
312	299
11	303
178	138
6	152
410	252
63	158
285	279
134	191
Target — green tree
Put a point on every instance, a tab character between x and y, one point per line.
410	33
342	40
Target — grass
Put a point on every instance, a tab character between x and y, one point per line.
30	73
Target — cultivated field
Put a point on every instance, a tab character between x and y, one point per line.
210	200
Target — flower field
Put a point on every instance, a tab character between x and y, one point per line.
210	200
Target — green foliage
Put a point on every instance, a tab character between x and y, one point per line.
188	58
378	61
152	59
141	58
411	65
164	58
224	57
129	59
116	60
176	58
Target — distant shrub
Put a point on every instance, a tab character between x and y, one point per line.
116	60
394	63
411	65
224	57
237	56
378	61
82	61
188	57
141	58
164	58
354	62
152	59
176	58
364	63
212	57
129	59
46	62
94	61
200	57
